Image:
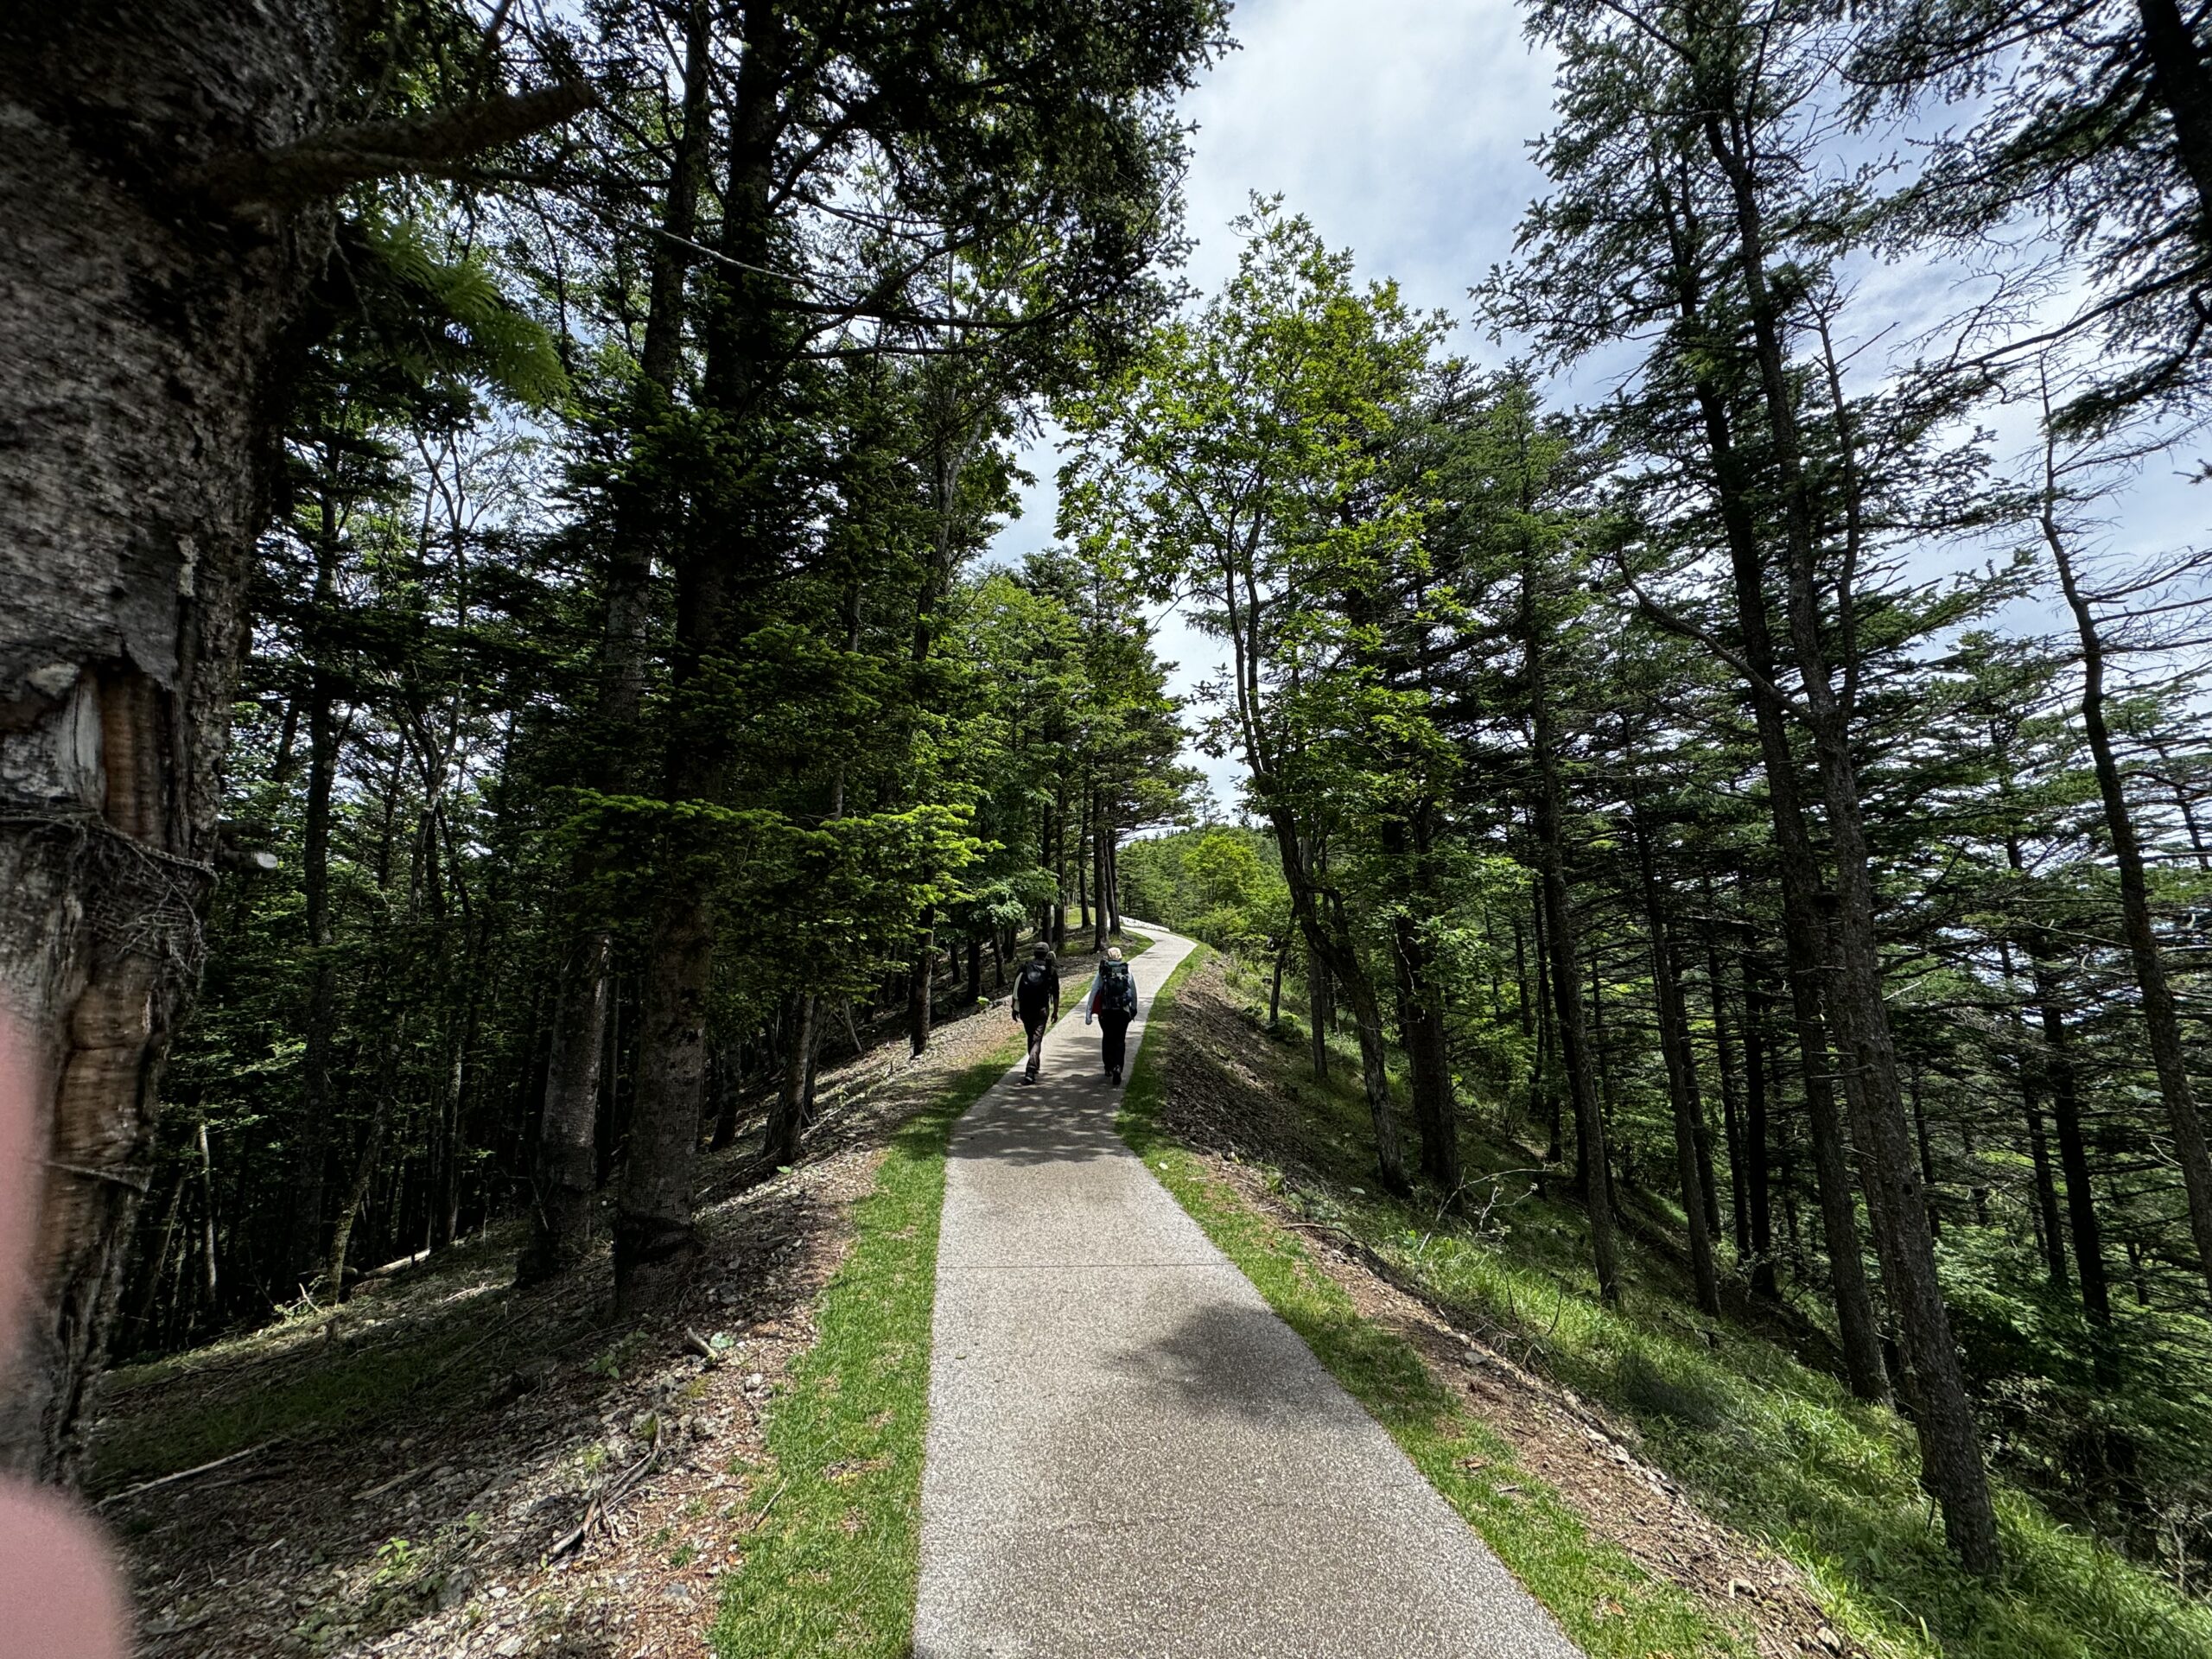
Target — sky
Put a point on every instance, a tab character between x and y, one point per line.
1402	128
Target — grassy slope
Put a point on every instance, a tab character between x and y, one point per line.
1774	1448
835	1525
1601	1597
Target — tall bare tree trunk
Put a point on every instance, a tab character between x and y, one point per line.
2161	1021
564	1178
1951	1467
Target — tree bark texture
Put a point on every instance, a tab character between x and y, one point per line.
144	342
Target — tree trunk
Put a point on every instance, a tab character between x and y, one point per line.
1952	1468
1112	880
2161	1021
1316	1003
2178	82
2062	1090
1724	1051
655	1239
1804	934
1098	862
1682	1079
1275	985
787	1122
365	1170
564	1178
1755	1004
1565	964
143	354
1336	963
921	980
719	563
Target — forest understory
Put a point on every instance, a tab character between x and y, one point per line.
419	1462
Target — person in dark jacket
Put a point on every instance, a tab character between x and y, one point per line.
1037	1003
1113	1003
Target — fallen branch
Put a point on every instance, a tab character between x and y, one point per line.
604	1500
182	1474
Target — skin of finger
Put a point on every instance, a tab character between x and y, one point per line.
61	1596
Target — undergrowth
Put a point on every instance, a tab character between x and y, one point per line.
833	1551
1601	1597
1774	1448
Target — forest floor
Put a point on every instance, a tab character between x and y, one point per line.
450	1465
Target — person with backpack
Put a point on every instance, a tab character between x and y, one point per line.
1037	1003
1113	1001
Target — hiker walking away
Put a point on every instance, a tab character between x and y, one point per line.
1113	1002
1037	1003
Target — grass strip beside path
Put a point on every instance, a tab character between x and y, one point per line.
1602	1598
834	1547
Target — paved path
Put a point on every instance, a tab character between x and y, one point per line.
1129	1454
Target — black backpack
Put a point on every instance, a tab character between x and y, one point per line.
1033	989
1118	991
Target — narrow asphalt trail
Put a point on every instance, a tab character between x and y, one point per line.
1128	1454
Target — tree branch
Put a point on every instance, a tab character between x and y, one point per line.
434	144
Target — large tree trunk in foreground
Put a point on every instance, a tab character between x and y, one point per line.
141	339
719	562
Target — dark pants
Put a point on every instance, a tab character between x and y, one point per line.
1117	1038
1034	1024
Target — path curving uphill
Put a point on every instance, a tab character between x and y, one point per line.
1128	1454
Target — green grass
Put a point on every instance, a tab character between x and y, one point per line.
1601	1597
1774	1448
831	1560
